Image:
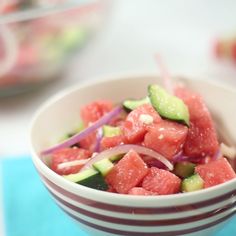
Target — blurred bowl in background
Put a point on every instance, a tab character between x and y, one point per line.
38	37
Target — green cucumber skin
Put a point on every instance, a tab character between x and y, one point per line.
184	169
130	105
96	182
161	105
89	178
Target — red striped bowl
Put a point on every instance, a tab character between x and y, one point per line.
102	213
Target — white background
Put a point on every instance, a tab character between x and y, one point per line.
182	31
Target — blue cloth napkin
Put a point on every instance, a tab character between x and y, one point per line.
29	209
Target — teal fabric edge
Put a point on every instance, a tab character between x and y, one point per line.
28	207
30	210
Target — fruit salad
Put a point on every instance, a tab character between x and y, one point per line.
164	143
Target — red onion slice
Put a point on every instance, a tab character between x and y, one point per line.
99	136
124	149
84	133
164	74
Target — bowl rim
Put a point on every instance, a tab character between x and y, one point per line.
76	188
40	12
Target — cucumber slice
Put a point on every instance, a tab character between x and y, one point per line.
116	157
168	106
192	183
89	178
78	129
133	104
184	169
103	166
110	131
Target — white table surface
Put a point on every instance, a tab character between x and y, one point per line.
180	30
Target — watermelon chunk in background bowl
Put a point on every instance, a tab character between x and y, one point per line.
202	212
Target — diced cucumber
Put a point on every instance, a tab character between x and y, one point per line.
90	178
103	166
192	183
133	104
110	131
116	157
78	129
67	136
168	106
184	169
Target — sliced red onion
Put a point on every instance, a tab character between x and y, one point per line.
72	163
217	155
164	74
99	136
180	157
84	133
124	149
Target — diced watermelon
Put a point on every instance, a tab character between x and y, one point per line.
134	127
94	111
68	155
111	189
109	142
127	173
215	172
140	191
161	182
88	142
166	137
202	138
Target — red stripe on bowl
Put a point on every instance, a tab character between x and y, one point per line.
165	233
139	210
143	222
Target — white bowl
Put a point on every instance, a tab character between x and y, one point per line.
102	213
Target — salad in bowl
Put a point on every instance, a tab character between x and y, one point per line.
131	156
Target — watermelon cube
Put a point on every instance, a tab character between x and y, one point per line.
215	172
68	155
127	173
94	111
166	137
202	138
161	182
109	142
136	123
89	141
140	191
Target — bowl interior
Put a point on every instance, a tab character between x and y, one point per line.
61	114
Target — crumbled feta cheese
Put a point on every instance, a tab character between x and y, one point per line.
146	119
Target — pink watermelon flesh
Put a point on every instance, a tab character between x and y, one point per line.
134	128
127	173
161	182
94	111
166	137
140	191
109	142
215	172
202	138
